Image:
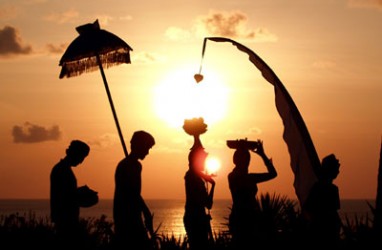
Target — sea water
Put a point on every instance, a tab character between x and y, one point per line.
168	213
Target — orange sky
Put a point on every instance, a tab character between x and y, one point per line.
327	54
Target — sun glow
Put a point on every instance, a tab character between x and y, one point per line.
179	97
212	165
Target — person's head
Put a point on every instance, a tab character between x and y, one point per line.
77	152
241	157
197	158
330	167
141	142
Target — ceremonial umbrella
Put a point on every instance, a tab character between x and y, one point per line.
93	49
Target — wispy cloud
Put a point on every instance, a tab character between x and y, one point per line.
105	20
105	141
11	43
177	34
232	24
127	18
56	48
147	58
68	16
32	133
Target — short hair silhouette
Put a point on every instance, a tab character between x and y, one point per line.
78	147
142	138
329	167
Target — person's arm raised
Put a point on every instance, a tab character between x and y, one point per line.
272	173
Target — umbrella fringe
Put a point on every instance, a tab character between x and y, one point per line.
77	67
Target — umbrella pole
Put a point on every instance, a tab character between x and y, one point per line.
111	105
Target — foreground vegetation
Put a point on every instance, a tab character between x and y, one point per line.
281	224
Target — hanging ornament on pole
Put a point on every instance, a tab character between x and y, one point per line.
199	77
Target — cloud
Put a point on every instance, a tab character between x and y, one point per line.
11	42
32	133
227	24
68	16
232	24
147	58
105	141
56	49
127	17
177	34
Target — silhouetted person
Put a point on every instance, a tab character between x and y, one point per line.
64	196
243	220
322	205
129	206
198	199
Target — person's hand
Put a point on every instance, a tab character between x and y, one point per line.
210	180
207	178
259	148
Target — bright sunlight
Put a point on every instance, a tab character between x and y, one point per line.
212	165
179	97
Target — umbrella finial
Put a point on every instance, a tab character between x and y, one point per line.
88	27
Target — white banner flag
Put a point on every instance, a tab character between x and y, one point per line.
304	160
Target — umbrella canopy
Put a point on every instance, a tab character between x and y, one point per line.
81	54
92	49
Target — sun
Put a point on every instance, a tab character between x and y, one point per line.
212	165
178	97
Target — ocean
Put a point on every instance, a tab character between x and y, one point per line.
167	213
